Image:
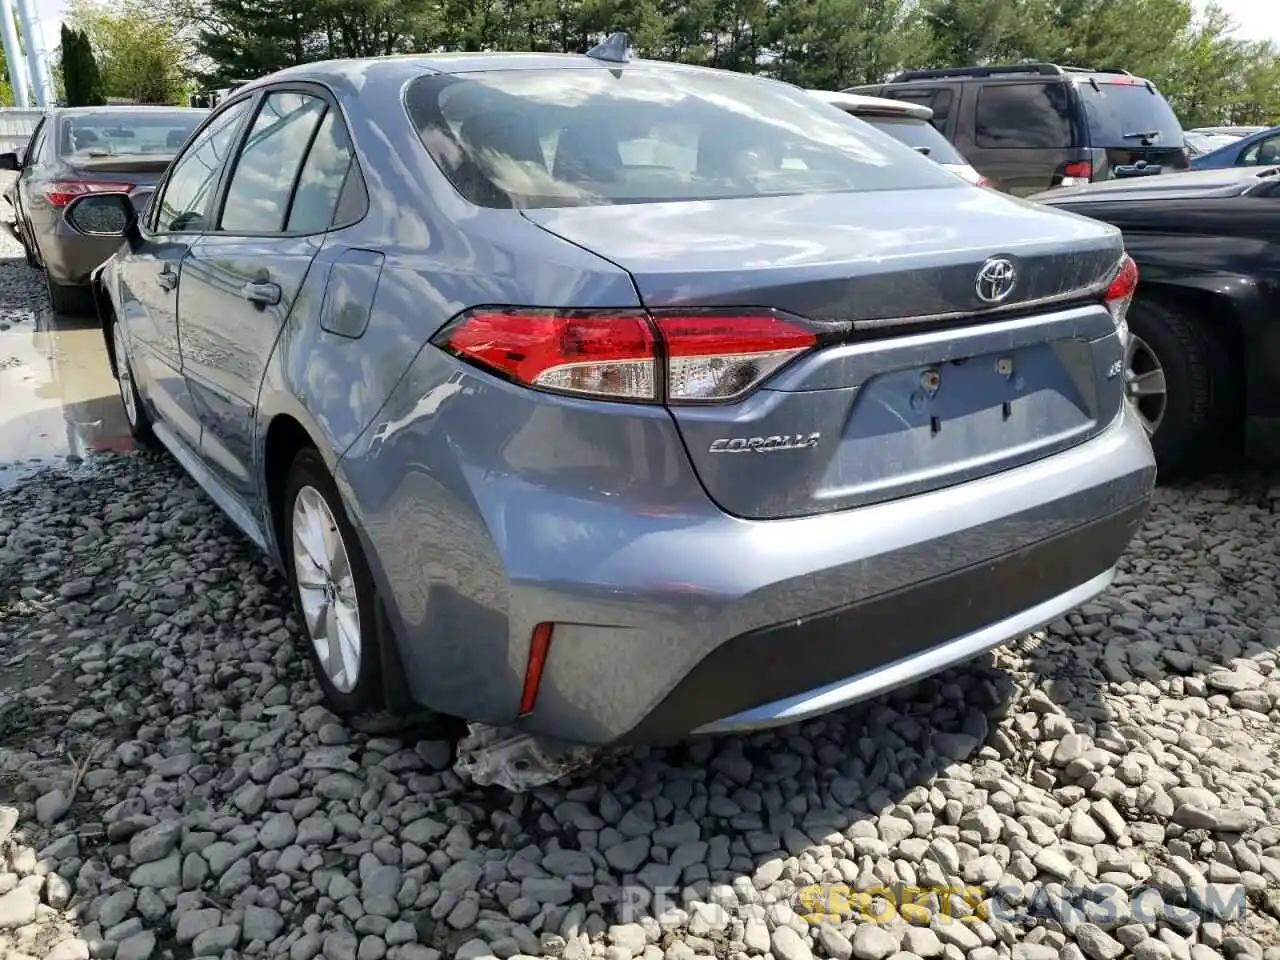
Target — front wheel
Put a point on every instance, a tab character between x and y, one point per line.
332	588
134	412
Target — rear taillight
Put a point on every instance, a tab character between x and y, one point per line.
1120	294
672	356
598	354
712	357
984	182
62	192
1080	171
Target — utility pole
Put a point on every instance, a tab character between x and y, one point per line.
37	59
13	56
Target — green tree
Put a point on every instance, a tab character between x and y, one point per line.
81	80
139	55
245	39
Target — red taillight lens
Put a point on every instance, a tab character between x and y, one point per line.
1120	293
984	181
600	354
62	192
1080	170
712	357
699	357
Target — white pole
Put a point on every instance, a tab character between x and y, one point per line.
13	56
41	79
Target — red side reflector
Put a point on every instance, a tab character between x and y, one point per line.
1081	170
62	192
539	645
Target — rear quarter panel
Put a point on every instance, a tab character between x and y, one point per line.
1224	253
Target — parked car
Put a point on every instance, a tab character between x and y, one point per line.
79	150
1261	149
1032	126
617	400
1203	336
1228	131
1199	144
909	123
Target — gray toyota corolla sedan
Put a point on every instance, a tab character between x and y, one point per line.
618	400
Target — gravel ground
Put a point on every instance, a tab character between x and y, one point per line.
171	786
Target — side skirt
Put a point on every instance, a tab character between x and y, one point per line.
218	492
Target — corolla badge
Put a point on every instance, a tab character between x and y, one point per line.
774	444
996	280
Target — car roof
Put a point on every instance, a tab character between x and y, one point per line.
1015	71
858	104
125	108
408	65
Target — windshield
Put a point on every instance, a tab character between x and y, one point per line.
577	137
1126	114
918	134
127	132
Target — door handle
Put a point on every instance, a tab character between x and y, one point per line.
262	292
167	280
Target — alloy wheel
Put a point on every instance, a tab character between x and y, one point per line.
326	589
1145	384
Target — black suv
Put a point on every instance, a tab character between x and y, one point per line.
1032	126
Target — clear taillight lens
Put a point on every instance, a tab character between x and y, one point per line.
712	357
677	356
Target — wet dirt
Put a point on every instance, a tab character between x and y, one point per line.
58	400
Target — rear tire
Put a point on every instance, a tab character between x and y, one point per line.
74	300
1190	423
332	588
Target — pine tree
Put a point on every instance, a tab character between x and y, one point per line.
80	77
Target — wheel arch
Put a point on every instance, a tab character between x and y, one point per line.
1208	299
285	436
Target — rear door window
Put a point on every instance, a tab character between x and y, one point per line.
1027	116
1128	113
918	134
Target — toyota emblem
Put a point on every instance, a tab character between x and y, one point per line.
996	280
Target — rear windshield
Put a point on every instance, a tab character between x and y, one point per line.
918	134
127	132
575	137
1124	114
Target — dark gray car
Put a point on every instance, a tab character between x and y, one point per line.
81	150
618	400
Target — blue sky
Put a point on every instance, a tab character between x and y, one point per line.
1255	19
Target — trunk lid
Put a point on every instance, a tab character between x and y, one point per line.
142	167
850	256
892	410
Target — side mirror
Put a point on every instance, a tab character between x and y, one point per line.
102	215
10	161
